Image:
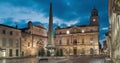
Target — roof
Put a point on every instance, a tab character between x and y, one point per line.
8	26
40	26
74	26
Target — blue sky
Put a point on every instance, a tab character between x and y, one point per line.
65	13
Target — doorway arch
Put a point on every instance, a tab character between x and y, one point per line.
91	51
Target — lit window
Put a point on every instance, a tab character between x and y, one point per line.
75	42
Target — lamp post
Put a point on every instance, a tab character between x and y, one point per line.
3	52
68	32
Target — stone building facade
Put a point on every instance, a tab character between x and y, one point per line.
79	40
33	38
10	40
114	31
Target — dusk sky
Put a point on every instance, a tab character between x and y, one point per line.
65	13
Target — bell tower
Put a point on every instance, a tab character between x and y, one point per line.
94	18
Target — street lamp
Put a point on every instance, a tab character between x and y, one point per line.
83	31
3	52
68	32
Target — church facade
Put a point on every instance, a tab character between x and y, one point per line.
79	40
33	38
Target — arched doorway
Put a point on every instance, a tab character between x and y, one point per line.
91	51
61	52
75	50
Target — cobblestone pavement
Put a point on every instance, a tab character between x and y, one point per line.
73	59
85	59
25	60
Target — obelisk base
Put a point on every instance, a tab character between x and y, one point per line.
51	49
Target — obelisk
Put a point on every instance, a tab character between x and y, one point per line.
50	44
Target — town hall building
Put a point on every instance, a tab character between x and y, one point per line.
79	40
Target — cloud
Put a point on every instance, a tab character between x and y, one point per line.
105	28
65	12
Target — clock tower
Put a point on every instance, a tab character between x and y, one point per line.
94	17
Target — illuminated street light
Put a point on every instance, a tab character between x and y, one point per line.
83	31
91	41
3	52
68	32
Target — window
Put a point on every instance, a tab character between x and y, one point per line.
91	40
60	32
10	52
67	41
91	51
82	41
3	42
17	43
75	42
60	42
91	30
4	32
28	44
17	52
11	33
79	30
10	42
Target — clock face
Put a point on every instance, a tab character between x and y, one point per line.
94	20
